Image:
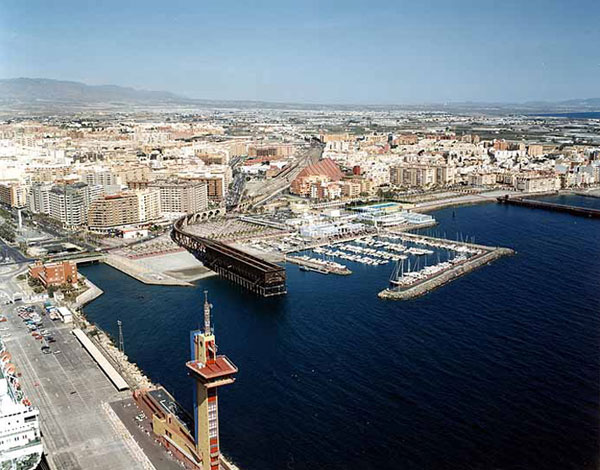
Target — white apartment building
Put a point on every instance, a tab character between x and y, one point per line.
178	198
69	204
149	204
537	183
38	198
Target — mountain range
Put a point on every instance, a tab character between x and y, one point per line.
47	95
44	89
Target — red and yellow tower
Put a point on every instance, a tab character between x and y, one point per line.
210	371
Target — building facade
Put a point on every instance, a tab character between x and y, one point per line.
110	212
314	180
54	274
177	198
417	175
38	198
13	194
69	204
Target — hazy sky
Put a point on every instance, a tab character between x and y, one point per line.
312	51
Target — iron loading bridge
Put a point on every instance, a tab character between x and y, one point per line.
575	210
252	273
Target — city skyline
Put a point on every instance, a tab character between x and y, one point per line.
311	53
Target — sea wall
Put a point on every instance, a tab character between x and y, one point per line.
92	293
142	273
424	287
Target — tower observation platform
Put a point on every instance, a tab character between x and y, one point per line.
252	273
209	371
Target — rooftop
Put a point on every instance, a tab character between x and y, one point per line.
222	368
170	406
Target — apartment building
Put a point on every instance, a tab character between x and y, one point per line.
149	207
350	188
69	203
270	150
482	179
334	137
101	177
13	194
316	175
535	150
110	212
537	183
130	173
38	198
185	197
54	274
215	185
415	175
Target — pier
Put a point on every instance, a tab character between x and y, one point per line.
535	204
259	276
423	286
323	268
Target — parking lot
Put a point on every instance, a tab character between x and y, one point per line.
69	389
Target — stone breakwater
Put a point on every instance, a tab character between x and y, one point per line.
130	372
444	277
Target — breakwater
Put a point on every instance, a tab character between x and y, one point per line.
535	204
427	285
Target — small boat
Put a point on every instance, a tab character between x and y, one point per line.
316	270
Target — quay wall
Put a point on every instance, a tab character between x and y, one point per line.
416	236
143	274
303	262
424	287
92	293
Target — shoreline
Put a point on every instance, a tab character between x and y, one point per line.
468	200
131	372
483	198
91	294
147	276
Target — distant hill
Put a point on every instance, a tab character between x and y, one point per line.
43	90
42	96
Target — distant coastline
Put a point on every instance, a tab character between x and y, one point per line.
579	115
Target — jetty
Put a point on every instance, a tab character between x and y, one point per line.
536	204
484	255
315	265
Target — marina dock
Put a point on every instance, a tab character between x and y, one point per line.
421	286
318	266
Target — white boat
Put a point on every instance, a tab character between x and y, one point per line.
20	438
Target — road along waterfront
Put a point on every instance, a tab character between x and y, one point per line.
496	369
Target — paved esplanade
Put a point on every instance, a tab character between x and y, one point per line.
71	392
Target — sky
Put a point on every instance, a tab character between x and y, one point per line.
339	52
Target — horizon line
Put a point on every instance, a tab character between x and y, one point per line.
312	103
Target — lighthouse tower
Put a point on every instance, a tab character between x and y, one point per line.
210	371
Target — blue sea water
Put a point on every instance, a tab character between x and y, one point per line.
497	370
580	115
573	200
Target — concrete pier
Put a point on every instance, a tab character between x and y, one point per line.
488	254
317	266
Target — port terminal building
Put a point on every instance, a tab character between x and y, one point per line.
389	214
